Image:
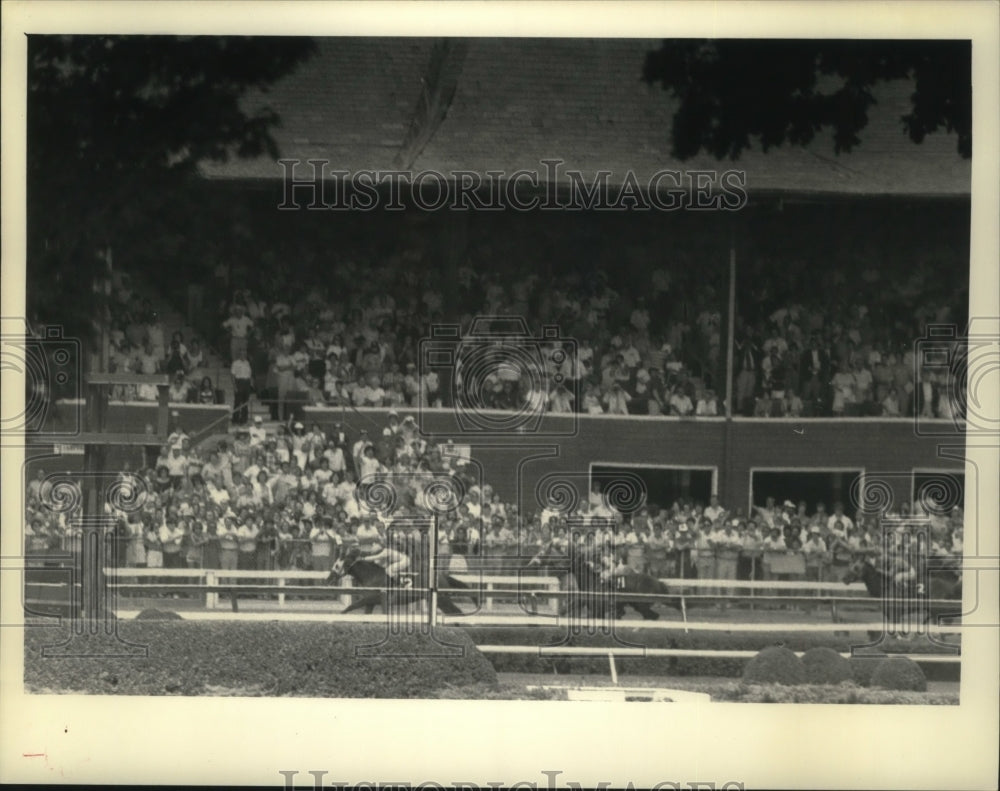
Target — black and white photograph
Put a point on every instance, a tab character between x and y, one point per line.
512	377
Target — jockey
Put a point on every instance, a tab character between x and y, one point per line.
901	572
393	561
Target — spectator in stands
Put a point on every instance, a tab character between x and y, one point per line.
679	402
239	326
815	551
844	397
747	363
616	400
708	405
791	405
206	391
179	391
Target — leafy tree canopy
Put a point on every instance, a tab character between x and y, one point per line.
785	91
114	124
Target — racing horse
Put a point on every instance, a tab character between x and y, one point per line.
368	574
911	599
597	587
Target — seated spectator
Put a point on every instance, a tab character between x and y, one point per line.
179	390
708	404
616	400
680	403
791	405
206	391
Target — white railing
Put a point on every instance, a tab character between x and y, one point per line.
481	584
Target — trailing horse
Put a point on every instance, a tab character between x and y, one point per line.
911	600
371	575
595	588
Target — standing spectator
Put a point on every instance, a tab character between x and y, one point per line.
246	538
843	391
284	367
746	355
814	367
815	552
228	542
243	387
239	326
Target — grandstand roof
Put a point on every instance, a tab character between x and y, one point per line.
518	101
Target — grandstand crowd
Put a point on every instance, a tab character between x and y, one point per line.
645	351
296	498
620	353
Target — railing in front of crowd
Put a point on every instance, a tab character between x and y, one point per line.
527	597
297	554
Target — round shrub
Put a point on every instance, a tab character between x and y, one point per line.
774	665
826	666
152	614
863	666
899	673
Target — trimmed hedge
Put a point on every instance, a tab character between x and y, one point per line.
826	666
732	692
775	665
839	693
899	673
270	658
673	666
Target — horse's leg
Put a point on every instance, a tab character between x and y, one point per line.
646	610
357	604
447	606
473	590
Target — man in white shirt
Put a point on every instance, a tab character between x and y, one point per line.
334	456
838	515
358	448
680	403
239	326
616	400
176	464
257	432
243	387
713	510
708	406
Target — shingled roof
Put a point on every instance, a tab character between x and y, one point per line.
519	101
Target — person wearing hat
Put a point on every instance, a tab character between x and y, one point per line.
257	432
684	545
815	551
